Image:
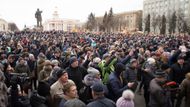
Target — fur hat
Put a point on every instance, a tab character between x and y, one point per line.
126	100
90	79
96	60
151	61
92	70
55	62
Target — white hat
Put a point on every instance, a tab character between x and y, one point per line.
96	60
151	61
92	70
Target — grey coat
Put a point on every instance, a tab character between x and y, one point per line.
159	97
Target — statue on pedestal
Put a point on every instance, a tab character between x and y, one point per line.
38	17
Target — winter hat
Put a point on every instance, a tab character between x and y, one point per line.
98	87
92	70
90	79
159	74
105	56
73	59
41	56
96	60
55	62
151	61
43	89
180	57
126	100
133	60
31	56
119	67
60	72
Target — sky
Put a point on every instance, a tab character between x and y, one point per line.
22	12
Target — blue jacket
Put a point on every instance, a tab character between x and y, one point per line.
115	86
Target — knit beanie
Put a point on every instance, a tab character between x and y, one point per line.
126	100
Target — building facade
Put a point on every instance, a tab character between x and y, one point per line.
124	22
165	7
57	24
3	25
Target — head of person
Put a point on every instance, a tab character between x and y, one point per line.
74	103
21	61
74	62
151	61
133	63
55	62
62	75
180	60
70	90
119	68
57	53
188	76
94	72
126	100
106	57
160	76
97	90
43	89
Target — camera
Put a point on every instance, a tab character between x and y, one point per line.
19	78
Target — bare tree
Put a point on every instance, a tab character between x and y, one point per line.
159	19
180	20
154	22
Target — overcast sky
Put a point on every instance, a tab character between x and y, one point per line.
22	11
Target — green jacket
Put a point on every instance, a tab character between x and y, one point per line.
106	69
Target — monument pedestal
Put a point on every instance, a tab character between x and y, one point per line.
39	28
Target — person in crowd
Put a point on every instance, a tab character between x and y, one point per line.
57	88
107	66
70	92
130	74
159	96
148	74
7	70
126	100
184	91
76	73
92	77
42	97
74	103
22	67
115	82
3	91
179	69
99	99
46	71
40	63
32	65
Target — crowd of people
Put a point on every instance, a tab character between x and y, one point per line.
69	69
